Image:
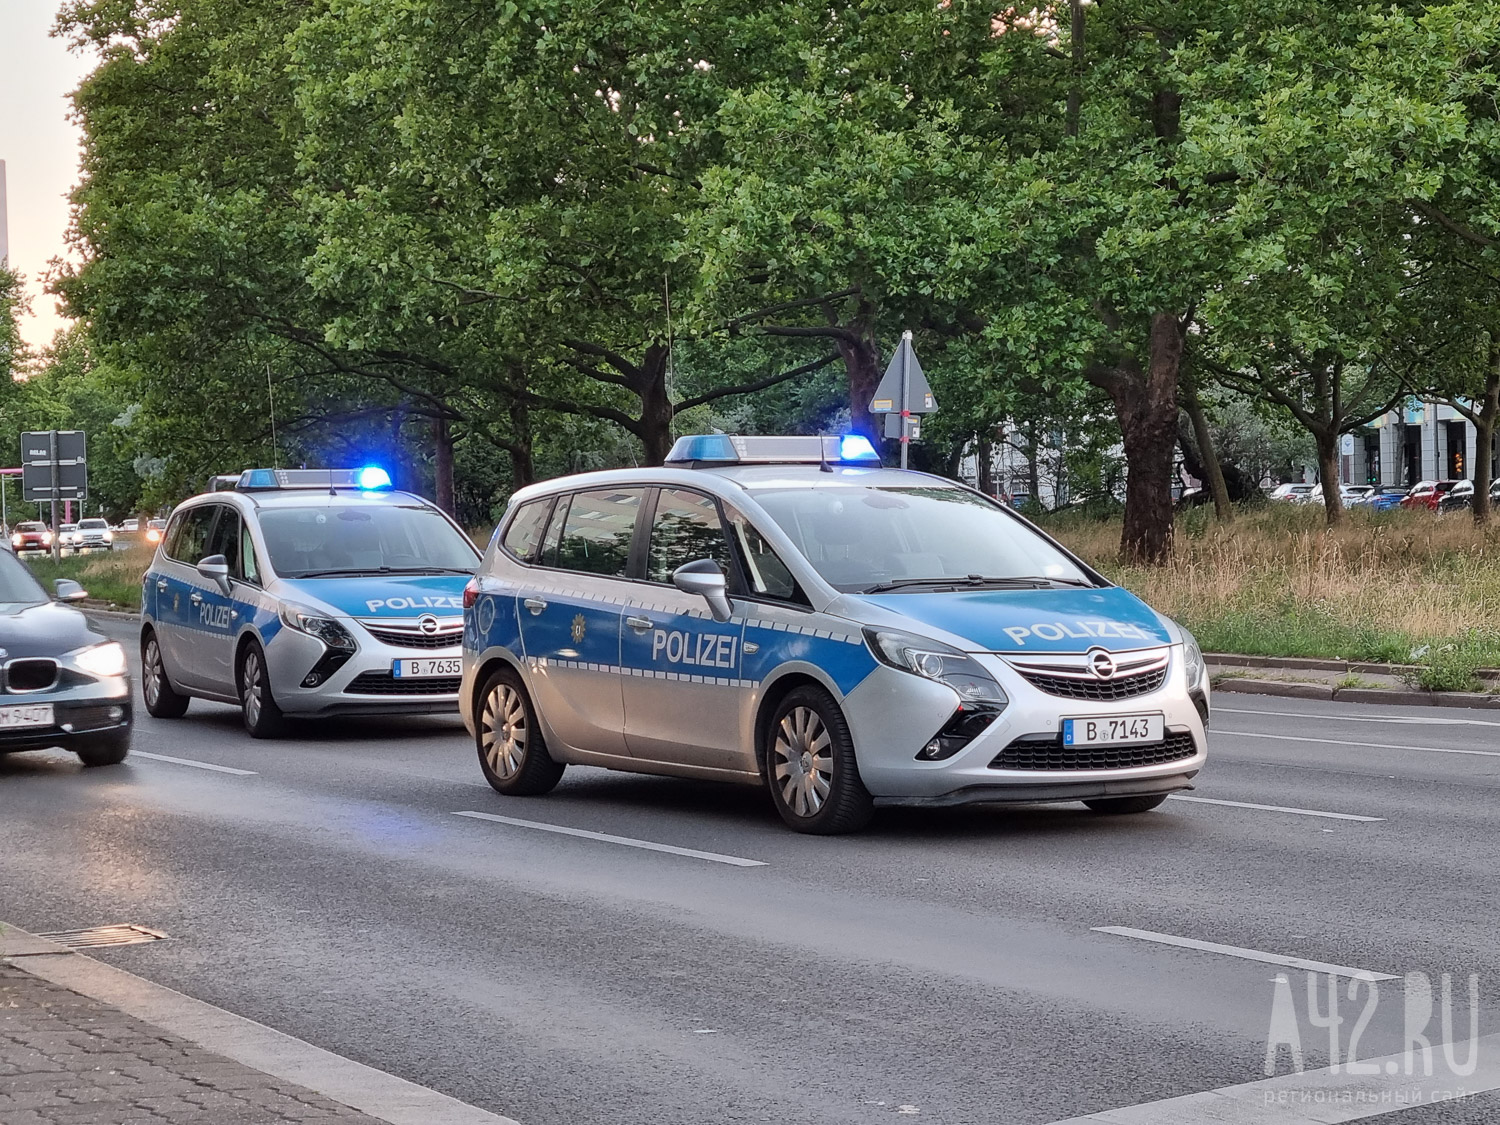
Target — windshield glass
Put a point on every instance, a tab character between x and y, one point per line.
18	588
862	538
335	539
31	527
93	525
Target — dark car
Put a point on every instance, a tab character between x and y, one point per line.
1461	497
63	684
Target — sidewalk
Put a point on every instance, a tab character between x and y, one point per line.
69	1060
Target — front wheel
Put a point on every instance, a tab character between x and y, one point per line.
163	701
810	767
263	718
108	750
512	751
1125	806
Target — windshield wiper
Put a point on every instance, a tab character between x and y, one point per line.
366	571
977	581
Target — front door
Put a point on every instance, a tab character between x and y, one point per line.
178	584
570	618
682	685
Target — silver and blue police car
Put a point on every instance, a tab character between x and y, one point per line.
305	592
786	612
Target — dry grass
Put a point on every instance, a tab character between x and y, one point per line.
1398	586
114	577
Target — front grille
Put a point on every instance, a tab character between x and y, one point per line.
383	683
417	640
1042	752
30	674
1098	691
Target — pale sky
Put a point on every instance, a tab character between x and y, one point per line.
40	148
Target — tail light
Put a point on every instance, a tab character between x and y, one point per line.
471	593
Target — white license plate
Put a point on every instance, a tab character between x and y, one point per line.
36	715
1113	730
421	668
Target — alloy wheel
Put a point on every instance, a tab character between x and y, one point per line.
803	761
253	684
152	680
503	733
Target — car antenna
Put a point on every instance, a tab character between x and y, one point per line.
823	465
331	490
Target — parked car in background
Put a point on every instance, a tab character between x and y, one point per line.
1461	497
1428	493
69	537
94	535
31	536
154	528
131	526
1355	495
1385	498
1295	493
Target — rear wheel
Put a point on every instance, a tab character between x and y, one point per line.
512	752
107	750
263	718
163	701
810	766
1124	806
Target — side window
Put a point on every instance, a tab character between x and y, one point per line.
525	530
190	542
686	528
597	532
226	539
249	564
767	575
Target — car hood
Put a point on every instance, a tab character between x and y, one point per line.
409	595
1020	621
47	629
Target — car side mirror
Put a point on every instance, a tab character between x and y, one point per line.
66	590
216	569
703	577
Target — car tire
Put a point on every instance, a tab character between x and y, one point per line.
107	750
258	708
1125	806
512	751
811	769
163	701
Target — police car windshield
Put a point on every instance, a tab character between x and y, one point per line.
871	540
335	540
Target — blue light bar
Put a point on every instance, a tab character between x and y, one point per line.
370	478
733	449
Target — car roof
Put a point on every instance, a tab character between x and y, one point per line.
750	478
305	498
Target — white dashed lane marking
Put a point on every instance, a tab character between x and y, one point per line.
606	838
190	762
1245	954
1276	808
1217	734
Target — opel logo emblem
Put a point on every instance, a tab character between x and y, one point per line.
1101	663
428	624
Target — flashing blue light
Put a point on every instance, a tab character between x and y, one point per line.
857	447
703	447
257	479
373	476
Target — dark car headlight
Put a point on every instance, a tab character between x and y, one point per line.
934	660
105	660
326	629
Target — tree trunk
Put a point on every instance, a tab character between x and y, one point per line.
985	466
1213	472
656	406
522	468
1328	474
1033	462
1146	403
862	365
1484	435
442	465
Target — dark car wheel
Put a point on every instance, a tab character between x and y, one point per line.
263	718
163	701
810	766
106	750
512	752
1124	806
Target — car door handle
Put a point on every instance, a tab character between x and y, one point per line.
195	598
161	583
536	605
639	624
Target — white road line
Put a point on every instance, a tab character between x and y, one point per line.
1246	954
190	762
1276	808
1409	720
1325	1097
604	837
1361	745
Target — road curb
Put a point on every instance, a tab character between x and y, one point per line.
112	614
274	1053
1275	687
1311	664
1394	697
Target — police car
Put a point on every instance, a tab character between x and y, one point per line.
786	612
305	592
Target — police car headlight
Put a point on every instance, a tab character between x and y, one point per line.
935	661
1192	659
107	659
326	629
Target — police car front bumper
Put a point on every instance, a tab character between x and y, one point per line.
362	683
893	715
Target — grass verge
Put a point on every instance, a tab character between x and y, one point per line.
114	578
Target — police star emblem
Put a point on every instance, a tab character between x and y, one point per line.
579	625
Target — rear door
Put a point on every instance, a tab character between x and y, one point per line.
570	611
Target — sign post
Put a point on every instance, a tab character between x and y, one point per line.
903	383
54	466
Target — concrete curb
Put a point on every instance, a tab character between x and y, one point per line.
361	1087
1310	664
111	614
1394	697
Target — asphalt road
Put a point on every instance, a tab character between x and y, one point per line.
944	964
